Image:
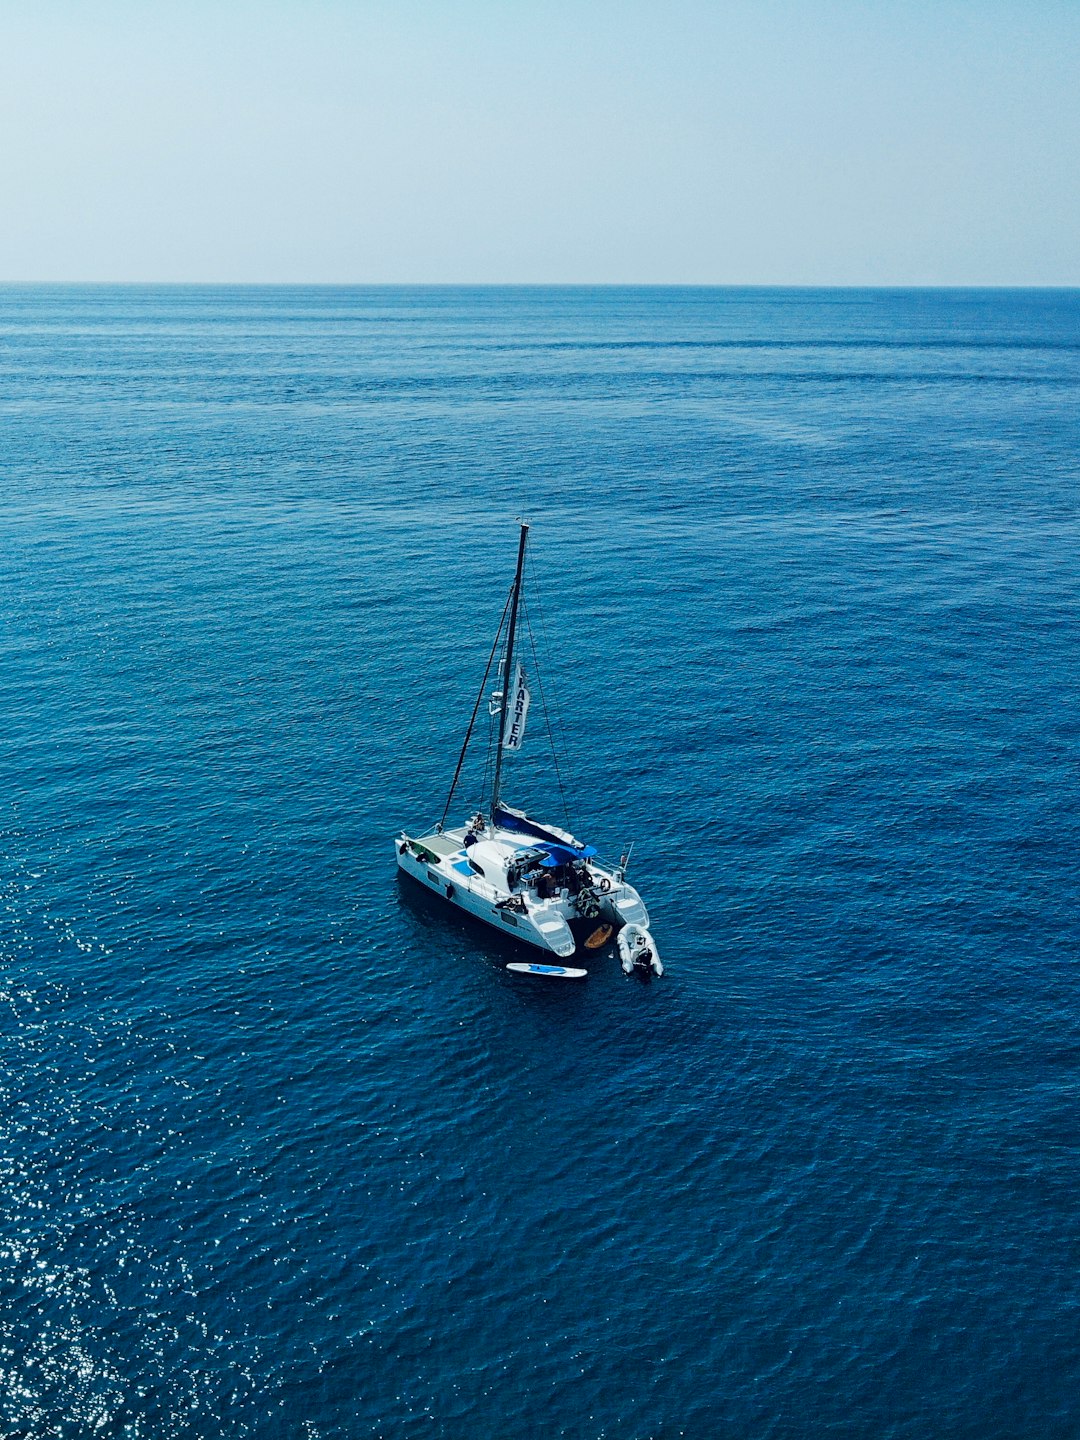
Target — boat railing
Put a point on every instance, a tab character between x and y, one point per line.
610	867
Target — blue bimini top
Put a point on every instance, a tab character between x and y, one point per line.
562	854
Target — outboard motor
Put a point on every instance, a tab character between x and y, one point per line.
638	952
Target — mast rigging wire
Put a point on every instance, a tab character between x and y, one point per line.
476	711
555	721
487	758
547	718
545	641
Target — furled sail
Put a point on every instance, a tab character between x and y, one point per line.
517	712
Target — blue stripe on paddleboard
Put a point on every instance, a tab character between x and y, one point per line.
523	968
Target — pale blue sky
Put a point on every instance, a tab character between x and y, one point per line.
896	142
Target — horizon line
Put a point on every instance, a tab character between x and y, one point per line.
528	285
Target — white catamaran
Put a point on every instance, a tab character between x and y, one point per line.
530	880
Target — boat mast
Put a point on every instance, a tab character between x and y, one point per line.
508	675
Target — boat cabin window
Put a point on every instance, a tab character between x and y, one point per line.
478	868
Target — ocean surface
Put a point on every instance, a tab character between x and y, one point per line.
285	1151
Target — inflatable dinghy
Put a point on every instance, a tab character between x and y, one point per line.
637	950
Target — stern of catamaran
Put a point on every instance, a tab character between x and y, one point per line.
628	906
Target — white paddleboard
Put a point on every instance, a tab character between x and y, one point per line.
557	972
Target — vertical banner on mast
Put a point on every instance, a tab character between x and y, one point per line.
517	710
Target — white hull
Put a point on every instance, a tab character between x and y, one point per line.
441	863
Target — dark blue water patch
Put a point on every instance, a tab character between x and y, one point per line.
286	1149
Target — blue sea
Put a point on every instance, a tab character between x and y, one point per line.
285	1151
